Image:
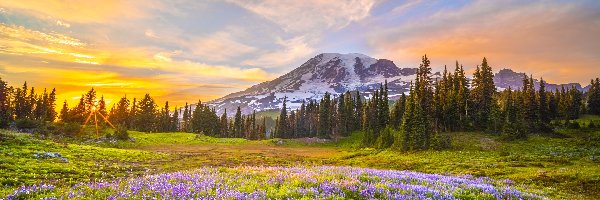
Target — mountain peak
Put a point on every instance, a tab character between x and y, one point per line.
337	73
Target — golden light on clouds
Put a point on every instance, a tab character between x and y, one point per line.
67	64
82	11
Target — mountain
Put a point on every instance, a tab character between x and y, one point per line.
328	72
337	73
506	78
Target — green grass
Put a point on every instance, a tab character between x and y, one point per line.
565	167
18	165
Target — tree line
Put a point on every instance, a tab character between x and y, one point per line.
450	103
436	105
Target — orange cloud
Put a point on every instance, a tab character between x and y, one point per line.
553	40
83	11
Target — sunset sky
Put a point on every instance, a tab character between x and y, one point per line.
188	50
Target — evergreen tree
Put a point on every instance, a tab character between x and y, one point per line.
398	112
133	112
186	118
324	128
386	138
594	97
146	116
51	106
224	125
165	118
5	108
482	94
283	128
174	122
119	114
237	124
544	108
64	112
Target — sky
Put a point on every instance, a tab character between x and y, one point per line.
187	50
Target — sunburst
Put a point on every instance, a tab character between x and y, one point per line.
95	113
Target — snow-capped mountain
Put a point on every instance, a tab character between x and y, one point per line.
337	73
328	72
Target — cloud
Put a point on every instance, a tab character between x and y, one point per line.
84	11
303	16
219	46
292	50
63	24
539	37
150	33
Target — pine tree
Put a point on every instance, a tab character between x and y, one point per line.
594	97
462	97
385	139
64	112
119	114
186	118
576	104
405	140
237	124
224	125
165	118
174	122
359	111
398	112
5	109
324	128
543	107
51	106
482	94
147	114
283	128
132	116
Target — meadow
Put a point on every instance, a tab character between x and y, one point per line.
563	165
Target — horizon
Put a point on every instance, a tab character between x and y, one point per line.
189	51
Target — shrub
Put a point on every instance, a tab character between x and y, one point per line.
26	124
573	124
440	142
71	129
121	133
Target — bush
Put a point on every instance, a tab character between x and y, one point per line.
71	129
26	124
573	124
441	142
121	133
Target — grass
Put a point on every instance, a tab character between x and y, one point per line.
19	165
565	167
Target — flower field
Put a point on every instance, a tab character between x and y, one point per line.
323	182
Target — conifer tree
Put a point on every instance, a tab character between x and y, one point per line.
283	128
133	112
64	112
594	97
544	108
324	128
174	122
482	94
224	125
119	114
237	124
5	105
146	117
398	112
186	118
51	106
